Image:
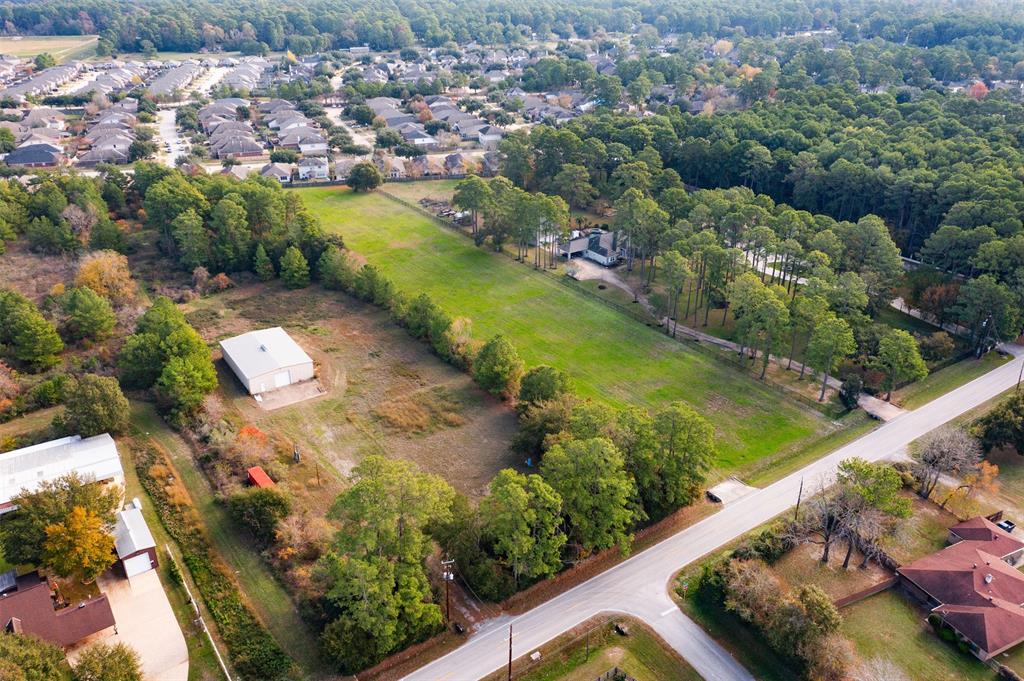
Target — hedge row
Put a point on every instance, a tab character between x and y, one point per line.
253	651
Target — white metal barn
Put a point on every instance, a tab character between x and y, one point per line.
266	360
136	548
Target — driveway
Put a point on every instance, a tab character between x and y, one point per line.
146	622
639	586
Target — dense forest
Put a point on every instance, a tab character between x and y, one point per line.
984	27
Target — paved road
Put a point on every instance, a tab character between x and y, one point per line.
638	586
167	133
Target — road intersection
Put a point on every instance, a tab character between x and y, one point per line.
639	586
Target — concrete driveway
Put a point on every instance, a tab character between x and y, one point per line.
146	622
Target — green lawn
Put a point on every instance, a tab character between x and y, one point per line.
888	625
611	357
898	319
944	380
264	593
641	655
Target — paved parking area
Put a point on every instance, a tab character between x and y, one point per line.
146	622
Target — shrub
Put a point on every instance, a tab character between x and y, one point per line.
498	368
259	511
937	347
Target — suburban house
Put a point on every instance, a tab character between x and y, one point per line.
134	543
27	607
35	156
973	586
278	171
605	248
314	168
92	458
266	360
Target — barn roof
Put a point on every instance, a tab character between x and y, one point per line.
259	352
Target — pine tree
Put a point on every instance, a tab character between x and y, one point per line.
262	265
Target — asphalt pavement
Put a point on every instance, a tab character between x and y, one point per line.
639	586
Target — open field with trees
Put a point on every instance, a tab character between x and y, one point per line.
385	394
609	358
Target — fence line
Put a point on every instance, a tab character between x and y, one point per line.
865	593
641	317
199	615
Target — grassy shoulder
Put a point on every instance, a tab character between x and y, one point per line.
596	647
611	358
262	591
946	379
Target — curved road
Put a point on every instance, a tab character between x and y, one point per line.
639	585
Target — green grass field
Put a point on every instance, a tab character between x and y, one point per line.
641	655
611	357
62	47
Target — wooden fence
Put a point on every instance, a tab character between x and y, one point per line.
864	593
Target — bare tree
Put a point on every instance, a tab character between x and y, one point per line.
947	451
824	521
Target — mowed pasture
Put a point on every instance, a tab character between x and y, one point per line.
62	47
611	357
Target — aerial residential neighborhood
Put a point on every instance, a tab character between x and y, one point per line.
549	341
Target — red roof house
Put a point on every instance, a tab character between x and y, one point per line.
972	586
29	609
258	477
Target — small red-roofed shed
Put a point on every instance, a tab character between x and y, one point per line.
258	477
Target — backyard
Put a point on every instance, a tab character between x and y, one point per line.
610	357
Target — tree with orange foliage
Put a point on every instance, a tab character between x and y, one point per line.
107	273
982	479
978	90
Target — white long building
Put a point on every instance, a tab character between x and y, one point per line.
93	458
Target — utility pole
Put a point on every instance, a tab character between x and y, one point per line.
799	496
1019	376
449	575
510	652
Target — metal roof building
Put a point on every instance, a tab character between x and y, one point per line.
26	468
267	359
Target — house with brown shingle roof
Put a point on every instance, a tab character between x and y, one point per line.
27	607
973	587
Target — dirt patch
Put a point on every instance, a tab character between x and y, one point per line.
384	392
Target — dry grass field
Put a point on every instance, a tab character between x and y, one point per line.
385	393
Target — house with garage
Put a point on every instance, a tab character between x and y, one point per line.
92	458
281	172
266	360
134	543
972	587
597	245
